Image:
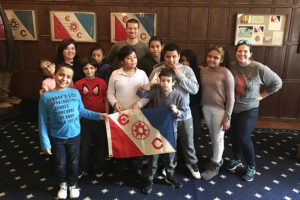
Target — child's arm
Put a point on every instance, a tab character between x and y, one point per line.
43	130
154	80
174	109
180	109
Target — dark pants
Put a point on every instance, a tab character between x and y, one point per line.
66	156
93	145
242	125
168	161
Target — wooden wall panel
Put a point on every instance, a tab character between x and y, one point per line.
293	64
269	106
289	106
199	23
162	14
295	27
283	1
42	17
219	17
262	2
276	63
241	2
178	20
192	24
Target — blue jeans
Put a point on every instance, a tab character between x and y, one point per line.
242	125
66	156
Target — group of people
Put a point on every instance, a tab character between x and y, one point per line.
76	97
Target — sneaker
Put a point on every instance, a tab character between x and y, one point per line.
163	171
147	187
82	174
212	170
74	192
173	182
233	164
249	174
99	174
63	191
194	170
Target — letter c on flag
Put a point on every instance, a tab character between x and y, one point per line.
123	119
155	145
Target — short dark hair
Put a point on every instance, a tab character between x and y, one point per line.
87	61
124	52
97	47
167	72
155	38
132	21
171	47
63	65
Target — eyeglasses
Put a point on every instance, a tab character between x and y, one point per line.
245	42
49	65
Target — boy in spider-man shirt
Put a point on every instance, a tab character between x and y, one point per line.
93	133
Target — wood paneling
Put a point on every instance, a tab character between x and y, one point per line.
289	106
293	64
219	17
199	23
193	24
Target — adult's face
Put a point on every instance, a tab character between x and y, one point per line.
243	55
69	52
132	30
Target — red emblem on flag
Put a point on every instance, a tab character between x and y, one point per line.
123	119
140	130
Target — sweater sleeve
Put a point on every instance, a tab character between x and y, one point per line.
270	79
143	101
144	93
188	82
111	96
229	90
43	129
182	108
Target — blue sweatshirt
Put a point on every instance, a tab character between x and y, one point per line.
59	113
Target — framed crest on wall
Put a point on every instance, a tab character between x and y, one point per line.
22	23
118	25
81	26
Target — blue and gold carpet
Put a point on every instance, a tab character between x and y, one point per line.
27	173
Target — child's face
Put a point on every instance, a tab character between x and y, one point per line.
166	83
89	71
213	59
184	61
63	78
98	55
69	52
171	58
130	61
155	48
50	67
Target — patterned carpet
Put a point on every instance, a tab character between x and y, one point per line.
26	173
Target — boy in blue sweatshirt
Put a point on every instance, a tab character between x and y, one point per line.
59	128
